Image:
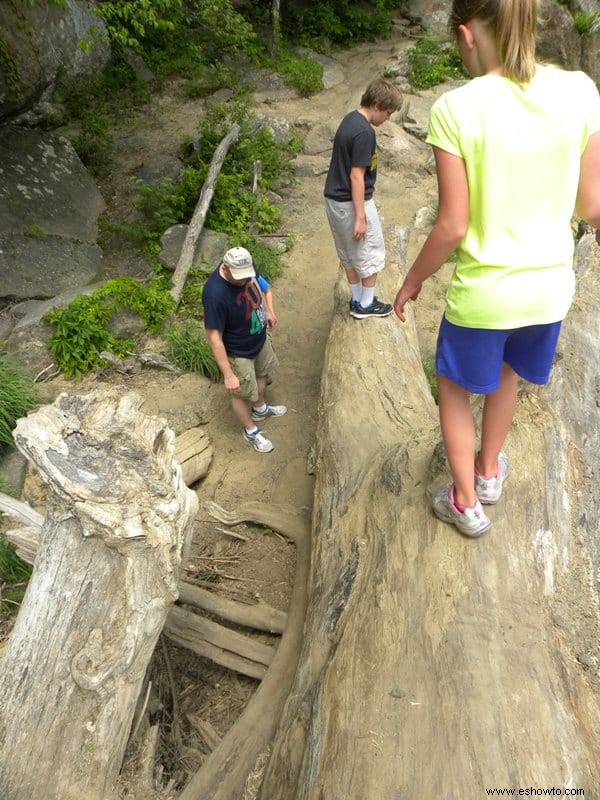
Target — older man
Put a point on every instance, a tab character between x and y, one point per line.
238	315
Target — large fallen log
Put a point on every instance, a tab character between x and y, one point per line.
105	575
433	665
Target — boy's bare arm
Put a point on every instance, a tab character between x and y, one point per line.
357	188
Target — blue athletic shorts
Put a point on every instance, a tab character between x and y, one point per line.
473	357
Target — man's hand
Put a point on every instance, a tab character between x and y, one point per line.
405	294
271	320
232	383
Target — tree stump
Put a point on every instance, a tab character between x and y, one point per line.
105	576
434	665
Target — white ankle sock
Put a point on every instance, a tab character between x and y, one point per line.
367	297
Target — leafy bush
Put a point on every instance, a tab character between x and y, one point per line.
303	74
14	575
189	350
587	23
432	61
80	330
18	396
336	21
234	208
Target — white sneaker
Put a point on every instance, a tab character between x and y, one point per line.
270	411
470	522
488	490
258	441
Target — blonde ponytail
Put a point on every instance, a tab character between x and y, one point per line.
514	25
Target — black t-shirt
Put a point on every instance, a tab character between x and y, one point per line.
238	312
354	145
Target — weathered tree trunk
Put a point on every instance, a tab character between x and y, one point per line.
197	222
105	576
434	665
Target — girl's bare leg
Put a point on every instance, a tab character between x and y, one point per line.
498	412
458	433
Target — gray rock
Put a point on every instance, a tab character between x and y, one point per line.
49	206
208	252
159	167
278	125
41	43
44	187
43	267
125	324
311	166
319	139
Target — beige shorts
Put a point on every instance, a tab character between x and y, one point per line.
247	370
367	256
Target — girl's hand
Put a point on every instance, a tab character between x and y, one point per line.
405	294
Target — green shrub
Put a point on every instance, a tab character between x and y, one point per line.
303	74
80	330
337	21
93	143
14	575
189	350
587	23
432	61
18	396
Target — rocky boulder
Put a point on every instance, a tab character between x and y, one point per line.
40	46
48	216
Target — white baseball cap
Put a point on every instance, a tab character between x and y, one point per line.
239	261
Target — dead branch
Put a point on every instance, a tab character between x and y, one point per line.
197	222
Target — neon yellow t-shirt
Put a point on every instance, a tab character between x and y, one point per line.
522	147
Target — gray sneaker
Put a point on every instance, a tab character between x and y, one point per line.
270	411
471	522
258	441
488	490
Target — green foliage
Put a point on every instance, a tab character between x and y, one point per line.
10	71
432	61
189	350
337	21
234	208
94	101
209	78
93	143
14	575
587	23
80	330
129	24
36	232
219	29
17	397
191	296
303	74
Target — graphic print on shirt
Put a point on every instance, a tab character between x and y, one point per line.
373	166
250	298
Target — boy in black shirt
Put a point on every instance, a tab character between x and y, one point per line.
349	203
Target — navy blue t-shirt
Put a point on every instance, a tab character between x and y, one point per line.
354	145
238	312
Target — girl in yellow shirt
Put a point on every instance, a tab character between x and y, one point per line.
517	149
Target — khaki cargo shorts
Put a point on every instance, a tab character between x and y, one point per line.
247	370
